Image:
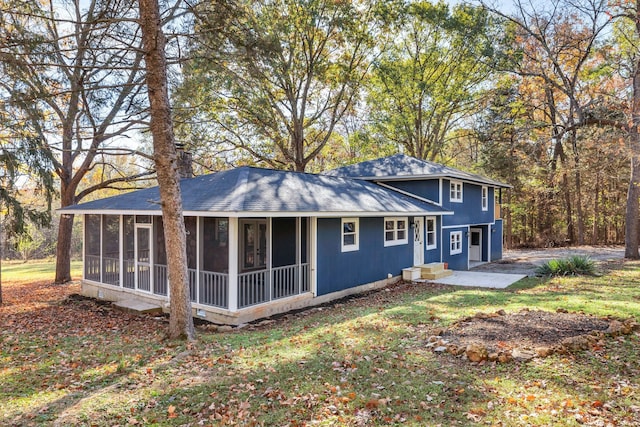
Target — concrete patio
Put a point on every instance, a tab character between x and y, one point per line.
478	279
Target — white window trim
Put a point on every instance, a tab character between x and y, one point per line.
485	198
435	233
395	230
455	242
356	233
453	188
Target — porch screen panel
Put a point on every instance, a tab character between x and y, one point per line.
160	283
304	240
111	249
191	227
214	283
129	266
215	237
283	233
92	247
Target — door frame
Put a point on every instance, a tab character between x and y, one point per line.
256	252
149	228
478	246
418	240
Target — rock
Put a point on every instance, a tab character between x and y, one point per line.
504	357
615	328
476	352
455	350
631	322
522	355
440	349
493	357
225	328
580	342
543	351
438	332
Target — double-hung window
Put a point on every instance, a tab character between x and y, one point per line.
430	230
456	243
455	191
350	234
395	231
485	198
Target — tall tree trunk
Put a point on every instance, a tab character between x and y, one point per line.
65	233
165	157
631	216
596	212
578	189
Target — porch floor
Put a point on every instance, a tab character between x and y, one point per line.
478	279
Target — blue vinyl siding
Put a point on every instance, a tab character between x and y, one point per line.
339	270
427	189
496	240
458	261
470	210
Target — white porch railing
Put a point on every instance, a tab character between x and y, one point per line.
280	282
111	271
254	287
92	267
129	279
214	289
160	282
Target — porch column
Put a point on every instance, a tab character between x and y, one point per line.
121	249
233	264
313	258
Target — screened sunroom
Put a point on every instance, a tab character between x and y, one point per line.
233	263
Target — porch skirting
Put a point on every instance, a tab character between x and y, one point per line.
225	317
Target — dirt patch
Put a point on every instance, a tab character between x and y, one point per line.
526	334
523	329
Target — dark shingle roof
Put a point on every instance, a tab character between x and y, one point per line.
401	166
248	189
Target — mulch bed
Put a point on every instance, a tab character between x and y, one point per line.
527	328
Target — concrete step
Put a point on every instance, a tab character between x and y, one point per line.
432	267
136	306
436	275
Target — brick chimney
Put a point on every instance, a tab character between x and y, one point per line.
185	164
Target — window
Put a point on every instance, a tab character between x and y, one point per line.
455	191
456	243
350	241
395	231
431	233
485	198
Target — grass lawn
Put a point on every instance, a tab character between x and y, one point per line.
34	271
72	361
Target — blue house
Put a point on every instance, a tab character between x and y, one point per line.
262	242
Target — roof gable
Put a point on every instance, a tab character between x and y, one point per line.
402	167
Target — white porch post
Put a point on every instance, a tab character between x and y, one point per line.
233	264
121	251
269	256
313	261
199	245
298	254
84	245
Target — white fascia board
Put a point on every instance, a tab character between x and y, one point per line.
262	214
107	212
475	224
434	176
406	193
